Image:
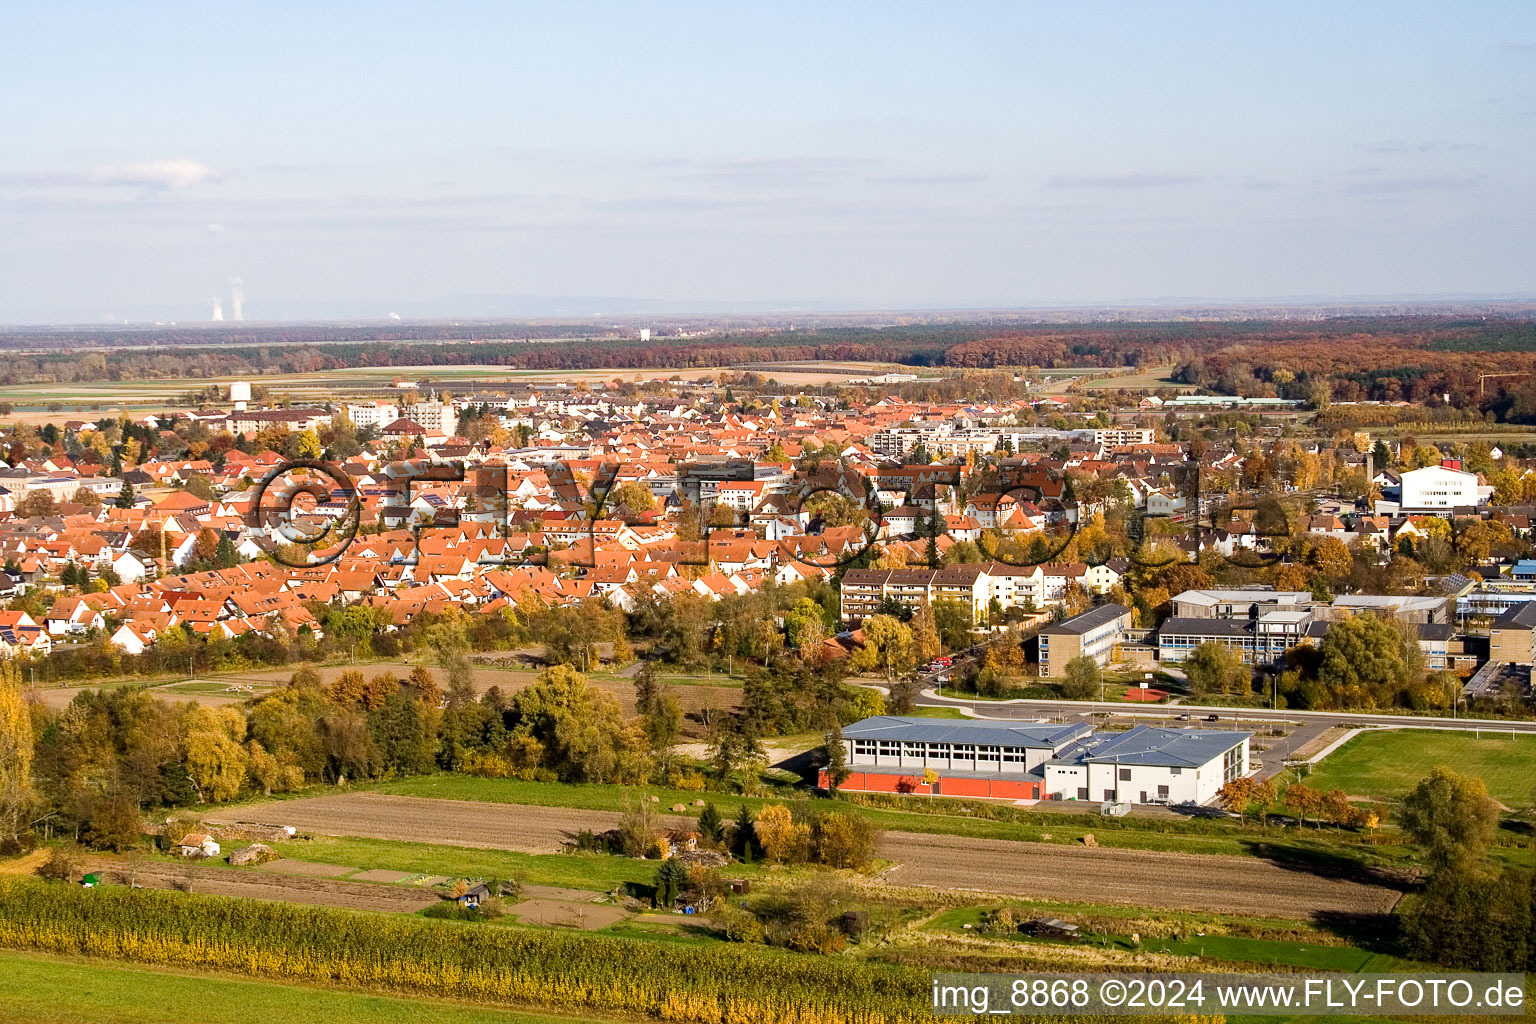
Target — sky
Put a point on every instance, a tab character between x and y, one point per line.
445	159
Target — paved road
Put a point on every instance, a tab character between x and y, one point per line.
1025	709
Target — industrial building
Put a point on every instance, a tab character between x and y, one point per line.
1040	761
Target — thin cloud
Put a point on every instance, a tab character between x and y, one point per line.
925	179
1125	179
774	171
1397	186
157	175
151	175
1398	146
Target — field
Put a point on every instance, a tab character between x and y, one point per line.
1387	764
1204	938
359	383
65	990
1066	825
1037	870
274	882
516	966
1152	377
1236	885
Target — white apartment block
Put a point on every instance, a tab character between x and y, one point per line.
438	417
1111	437
373	414
1438	489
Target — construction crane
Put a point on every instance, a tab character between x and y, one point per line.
1489	376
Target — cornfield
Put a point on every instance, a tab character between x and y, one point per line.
726	985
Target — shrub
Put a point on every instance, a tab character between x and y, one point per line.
842	839
63	863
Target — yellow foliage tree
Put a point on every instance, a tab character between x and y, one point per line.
782	839
15	747
216	762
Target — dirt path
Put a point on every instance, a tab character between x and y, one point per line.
1041	870
27	864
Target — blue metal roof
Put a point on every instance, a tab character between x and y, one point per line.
1173	748
1046	735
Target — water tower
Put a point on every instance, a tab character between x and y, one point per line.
240	393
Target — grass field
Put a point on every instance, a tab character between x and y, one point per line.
1388	764
58	990
1226	949
1234	949
1152	377
598	872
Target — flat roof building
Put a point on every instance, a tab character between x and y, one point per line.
1040	760
1093	633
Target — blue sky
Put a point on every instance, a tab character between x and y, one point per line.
358	159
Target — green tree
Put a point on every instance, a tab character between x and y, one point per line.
837	761
405	730
1217	668
1451	818
743	836
1365	651
711	826
953	622
662	722
671	879
125	496
1083	679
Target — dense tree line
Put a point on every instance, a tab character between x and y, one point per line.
1419	356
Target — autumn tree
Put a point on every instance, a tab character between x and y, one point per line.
349	687
887	646
1236	795
1303	801
783	840
16	751
35	503
212	752
1332	558
628	499
87	498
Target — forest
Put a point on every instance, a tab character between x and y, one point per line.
1417	359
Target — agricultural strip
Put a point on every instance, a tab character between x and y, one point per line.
503	966
66	990
1043	871
286	888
